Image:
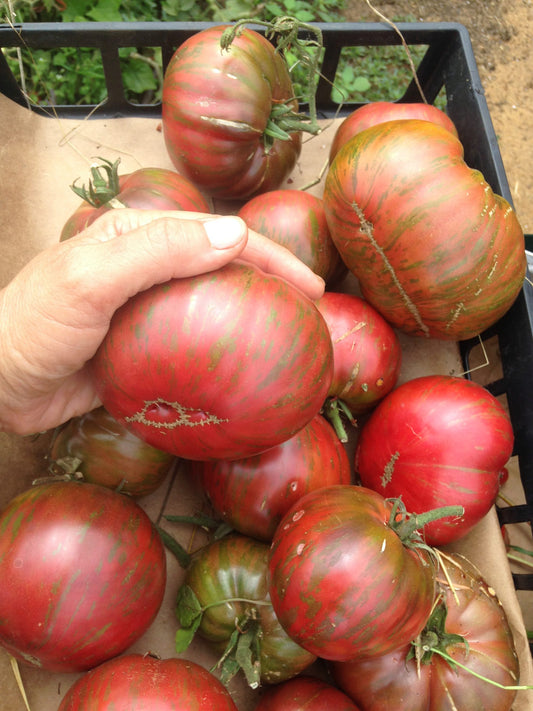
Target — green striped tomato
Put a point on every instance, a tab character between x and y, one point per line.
435	250
217	108
83	575
217	366
228	579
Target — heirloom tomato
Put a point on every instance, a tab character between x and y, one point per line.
135	682
380	111
343	582
217	366
437	440
470	626
304	693
435	250
83	575
145	189
222	108
253	494
100	450
367	354
224	598
296	220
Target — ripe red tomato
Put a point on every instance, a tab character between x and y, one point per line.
217	366
304	693
253	494
217	109
83	575
226	589
367	354
470	626
136	681
437	440
104	452
435	251
296	220
146	189
380	111
342	582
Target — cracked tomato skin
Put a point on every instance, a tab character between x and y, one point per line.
216	106
83	575
342	583
437	440
473	612
435	250
253	494
136	681
218	366
144	189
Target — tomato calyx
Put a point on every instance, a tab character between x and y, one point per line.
103	185
242	651
434	639
409	527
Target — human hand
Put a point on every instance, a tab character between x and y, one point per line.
55	313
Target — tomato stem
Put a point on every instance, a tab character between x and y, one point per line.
408	526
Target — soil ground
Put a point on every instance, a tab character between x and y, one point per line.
502	39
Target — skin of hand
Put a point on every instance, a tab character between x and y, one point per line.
56	311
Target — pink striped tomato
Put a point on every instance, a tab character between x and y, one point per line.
304	693
342	582
219	107
437	440
296	220
144	189
83	575
380	111
253	494
217	366
136	681
470	626
435	251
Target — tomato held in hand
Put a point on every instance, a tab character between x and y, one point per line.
217	366
296	220
342	582
380	111
136	681
437	440
219	107
144	189
470	626
435	251
102	451
253	494
83	575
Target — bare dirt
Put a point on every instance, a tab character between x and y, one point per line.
502	39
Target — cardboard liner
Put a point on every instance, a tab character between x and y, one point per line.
40	158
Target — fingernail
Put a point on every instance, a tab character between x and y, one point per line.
224	232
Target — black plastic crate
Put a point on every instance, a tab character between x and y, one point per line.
448	66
